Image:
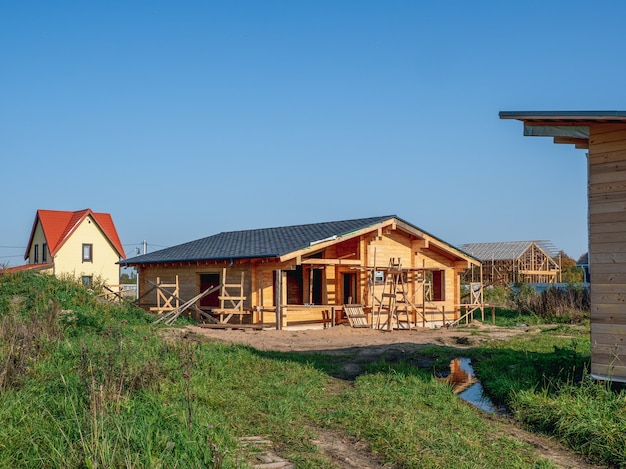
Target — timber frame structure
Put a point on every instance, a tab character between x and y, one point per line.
302	276
603	135
511	262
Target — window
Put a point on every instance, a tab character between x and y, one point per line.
87	280
36	253
87	252
44	254
438	285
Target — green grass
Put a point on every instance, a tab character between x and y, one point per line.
89	384
415	421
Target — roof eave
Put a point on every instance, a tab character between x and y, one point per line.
130	262
564	115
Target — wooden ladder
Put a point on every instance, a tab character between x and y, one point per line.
394	301
402	314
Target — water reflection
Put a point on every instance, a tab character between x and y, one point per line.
467	386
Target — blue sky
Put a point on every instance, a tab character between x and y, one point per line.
185	119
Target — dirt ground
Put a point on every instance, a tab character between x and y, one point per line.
359	347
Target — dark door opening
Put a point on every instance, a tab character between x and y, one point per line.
316	287
294	286
349	288
207	281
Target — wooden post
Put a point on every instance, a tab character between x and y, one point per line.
277	299
493	314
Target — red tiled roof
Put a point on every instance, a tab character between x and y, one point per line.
20	268
58	226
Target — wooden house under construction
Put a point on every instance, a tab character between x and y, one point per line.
514	262
378	272
603	135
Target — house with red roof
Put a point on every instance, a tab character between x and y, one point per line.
83	245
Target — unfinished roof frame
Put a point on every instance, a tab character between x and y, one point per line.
510	262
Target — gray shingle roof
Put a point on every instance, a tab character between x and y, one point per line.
265	242
506	250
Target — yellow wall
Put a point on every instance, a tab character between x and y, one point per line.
38	240
69	259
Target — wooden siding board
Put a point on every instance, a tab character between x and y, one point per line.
602	161
607	371
606	206
607	296
605	248
617	333
607	278
601	350
611	360
618	227
607	189
601	175
607	268
611	304
606	218
607	136
608	257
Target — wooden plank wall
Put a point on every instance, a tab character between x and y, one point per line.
188	279
396	245
259	275
607	250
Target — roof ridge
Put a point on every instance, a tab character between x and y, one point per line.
384	217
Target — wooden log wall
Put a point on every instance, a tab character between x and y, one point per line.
607	250
260	275
189	279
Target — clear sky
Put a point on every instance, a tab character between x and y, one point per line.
185	119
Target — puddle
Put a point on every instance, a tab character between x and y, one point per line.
466	385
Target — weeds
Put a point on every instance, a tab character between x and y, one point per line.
85	384
23	341
554	304
587	416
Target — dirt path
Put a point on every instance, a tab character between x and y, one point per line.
363	346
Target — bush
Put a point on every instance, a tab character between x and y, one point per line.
571	305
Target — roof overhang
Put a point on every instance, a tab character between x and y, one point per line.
570	127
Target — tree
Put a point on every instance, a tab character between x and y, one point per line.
128	278
570	273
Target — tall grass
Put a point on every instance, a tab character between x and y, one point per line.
415	421
543	379
554	304
587	416
522	304
89	384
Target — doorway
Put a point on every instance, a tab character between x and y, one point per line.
349	288
207	281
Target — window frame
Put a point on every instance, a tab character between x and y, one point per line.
439	285
89	257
